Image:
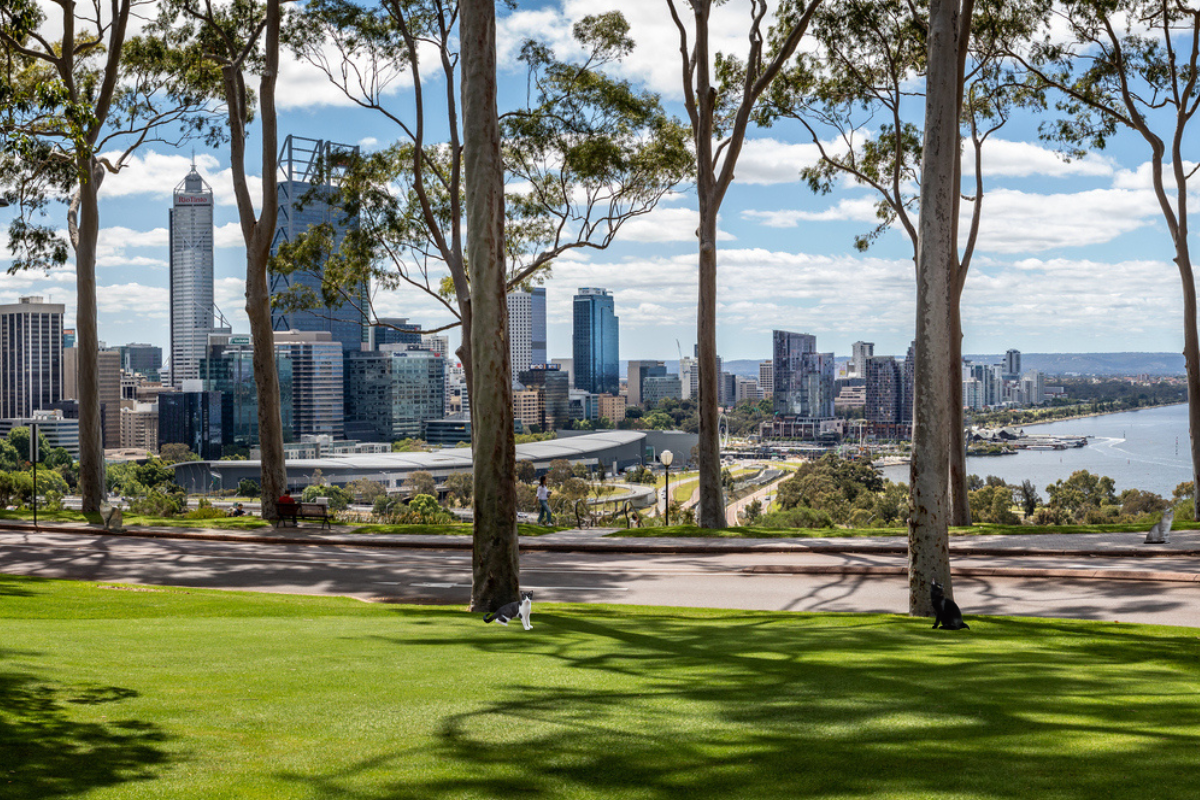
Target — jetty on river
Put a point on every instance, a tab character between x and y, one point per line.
1018	439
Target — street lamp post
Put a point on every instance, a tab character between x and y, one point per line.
666	457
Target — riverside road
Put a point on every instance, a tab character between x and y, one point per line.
1161	590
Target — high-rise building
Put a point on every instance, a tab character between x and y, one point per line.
310	173
68	338
393	392
884	390
553	397
394	330
436	343
139	425
656	388
1012	364
191	276
109	372
317	369
145	359
687	370
639	371
31	356
596	340
229	369
910	382
527	329
191	417
766	378
803	378
859	353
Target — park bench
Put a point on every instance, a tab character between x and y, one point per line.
299	511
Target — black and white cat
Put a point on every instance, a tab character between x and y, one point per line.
513	610
946	611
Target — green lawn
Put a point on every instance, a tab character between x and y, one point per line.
124	692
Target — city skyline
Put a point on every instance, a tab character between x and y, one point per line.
1066	247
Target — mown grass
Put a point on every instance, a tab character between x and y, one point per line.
123	692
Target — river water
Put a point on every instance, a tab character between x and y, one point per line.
1145	449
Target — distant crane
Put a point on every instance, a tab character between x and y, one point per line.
679	347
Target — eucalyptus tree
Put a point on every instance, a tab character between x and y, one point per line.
240	38
79	96
861	87
1131	66
585	154
720	92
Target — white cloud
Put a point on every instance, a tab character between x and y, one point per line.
229	235
157	174
667	225
859	209
1022	159
768	161
1022	222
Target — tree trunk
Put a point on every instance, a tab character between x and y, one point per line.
1191	358
273	467
960	502
258	236
712	496
937	261
496	578
91	437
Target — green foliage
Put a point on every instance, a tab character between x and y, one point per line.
338	497
559	472
1081	494
1138	503
365	490
526	473
155	503
175	453
248	487
18	437
10	459
205	510
460	486
420	483
132	479
409	445
799	517
839	487
993	503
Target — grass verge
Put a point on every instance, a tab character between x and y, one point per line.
111	691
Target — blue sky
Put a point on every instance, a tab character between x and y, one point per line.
1073	257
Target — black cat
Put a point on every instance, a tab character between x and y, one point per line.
946	611
513	610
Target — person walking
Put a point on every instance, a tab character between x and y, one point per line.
543	496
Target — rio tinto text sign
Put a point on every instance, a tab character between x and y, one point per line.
192	199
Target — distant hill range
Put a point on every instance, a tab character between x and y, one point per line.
1098	364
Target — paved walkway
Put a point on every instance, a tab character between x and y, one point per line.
1124	545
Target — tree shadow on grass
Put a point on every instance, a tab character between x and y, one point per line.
879	707
49	753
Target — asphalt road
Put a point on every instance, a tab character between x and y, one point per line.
720	580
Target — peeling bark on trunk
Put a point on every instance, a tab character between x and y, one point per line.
937	263
91	440
960	503
712	495
1191	357
496	568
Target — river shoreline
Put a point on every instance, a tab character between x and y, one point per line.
1093	414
